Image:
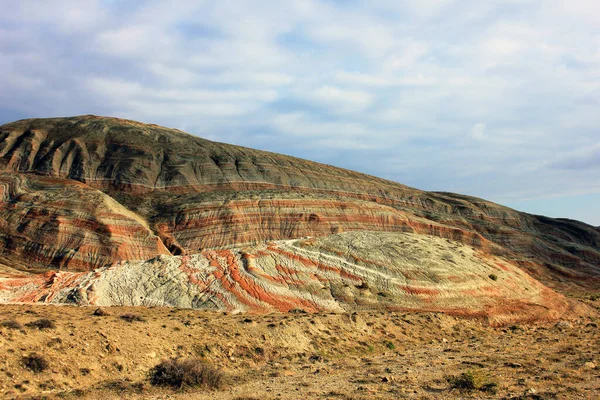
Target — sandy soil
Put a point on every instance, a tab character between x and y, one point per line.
290	356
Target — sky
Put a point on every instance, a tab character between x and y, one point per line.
495	99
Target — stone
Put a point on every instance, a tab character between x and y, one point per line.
563	325
589	365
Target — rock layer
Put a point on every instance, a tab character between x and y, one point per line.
65	224
195	194
343	272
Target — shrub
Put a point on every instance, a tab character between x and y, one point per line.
41	324
132	317
54	342
389	345
493	277
11	324
473	380
191	372
100	312
35	363
297	311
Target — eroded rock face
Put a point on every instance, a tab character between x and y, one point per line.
194	194
342	272
60	223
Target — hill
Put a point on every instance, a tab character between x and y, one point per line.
102	194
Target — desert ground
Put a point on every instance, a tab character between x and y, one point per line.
364	355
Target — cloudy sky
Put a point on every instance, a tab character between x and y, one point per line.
496	99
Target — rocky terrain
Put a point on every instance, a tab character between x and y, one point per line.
99	210
335	356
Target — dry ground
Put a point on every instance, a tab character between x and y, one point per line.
295	356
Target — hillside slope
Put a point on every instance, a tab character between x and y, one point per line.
343	272
86	192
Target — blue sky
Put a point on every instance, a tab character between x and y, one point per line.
496	99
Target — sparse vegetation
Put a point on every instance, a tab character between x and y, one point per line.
11	324
41	324
132	318
193	372
326	356
54	342
476	379
100	312
34	362
297	311
123	386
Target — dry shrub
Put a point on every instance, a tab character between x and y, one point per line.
473	380
11	324
132	317
192	372
42	324
35	363
100	312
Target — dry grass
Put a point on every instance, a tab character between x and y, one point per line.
474	379
193	372
132	318
293	356
11	324
41	324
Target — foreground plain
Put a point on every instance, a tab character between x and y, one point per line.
372	355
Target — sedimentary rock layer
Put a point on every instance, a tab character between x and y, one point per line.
65	224
342	272
217	224
196	194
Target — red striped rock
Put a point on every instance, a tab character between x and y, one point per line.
193	194
343	272
66	224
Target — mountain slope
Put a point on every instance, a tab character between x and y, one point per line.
342	272
145	191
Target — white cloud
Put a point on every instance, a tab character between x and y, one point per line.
382	80
340	100
583	158
173	75
477	132
491	90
